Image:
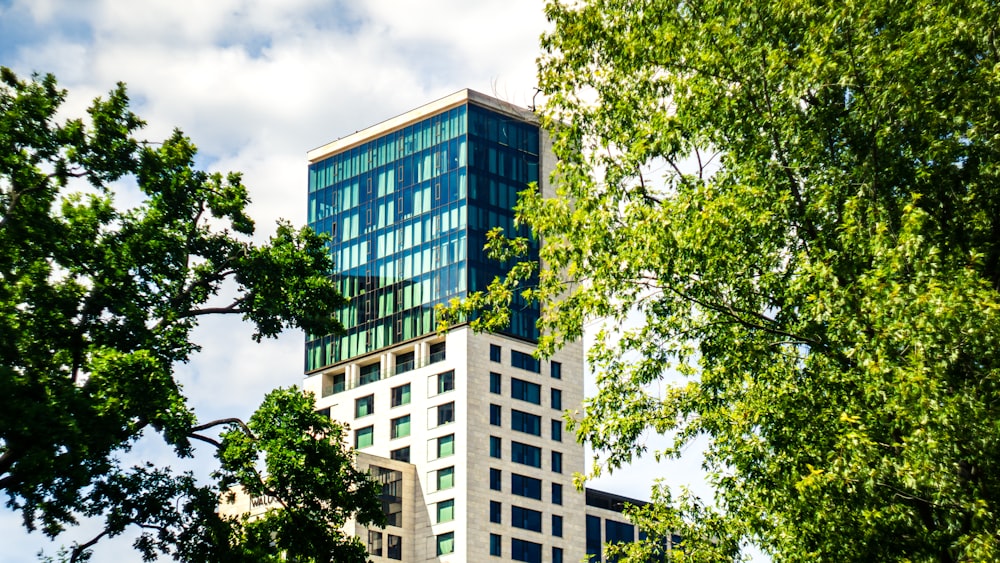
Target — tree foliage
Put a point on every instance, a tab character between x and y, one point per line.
97	305
799	200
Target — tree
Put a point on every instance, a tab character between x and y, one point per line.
800	201
96	307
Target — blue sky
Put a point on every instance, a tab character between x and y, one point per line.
255	84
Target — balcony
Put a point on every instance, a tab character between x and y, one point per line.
372	372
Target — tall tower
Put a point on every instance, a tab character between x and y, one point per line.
474	419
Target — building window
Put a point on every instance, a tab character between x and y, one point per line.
399	427
557	462
557	526
402	454
394	547
364	437
444	478
555	370
495	479
404	363
525	391
556	399
437	353
446	511
525	361
364	406
494	353
375	543
525	518
391	493
444	446
618	532
443	382
525	422
557	430
495	446
495	548
556	493
495	386
496	512
368	374
525	454
401	395
446	543
495	414
521	550
445	413
525	486
557	555
594	538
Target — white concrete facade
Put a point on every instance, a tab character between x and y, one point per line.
468	356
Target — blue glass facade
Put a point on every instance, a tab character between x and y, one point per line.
408	212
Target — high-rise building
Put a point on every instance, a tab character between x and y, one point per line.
477	418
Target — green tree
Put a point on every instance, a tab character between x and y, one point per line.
97	305
799	200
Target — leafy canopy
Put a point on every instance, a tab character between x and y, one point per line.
800	202
97	304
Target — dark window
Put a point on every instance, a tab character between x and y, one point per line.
446	511
446	445
391	494
618	532
495	547
594	538
369	374
524	486
525	422
445	381
375	543
394	549
557	526
556	462
525	361
445	478
495	414
437	352
555	399
402	454
555	370
494	353
364	406
364	437
446	543
399	427
525	391
495	479
446	413
405	363
557	555
496	512
339	382
521	550
525	518
556	493
525	454
401	395
495	447
557	430
495	386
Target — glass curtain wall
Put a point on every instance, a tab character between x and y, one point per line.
408	213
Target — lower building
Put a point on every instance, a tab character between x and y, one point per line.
478	423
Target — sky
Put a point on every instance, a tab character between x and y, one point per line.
256	84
